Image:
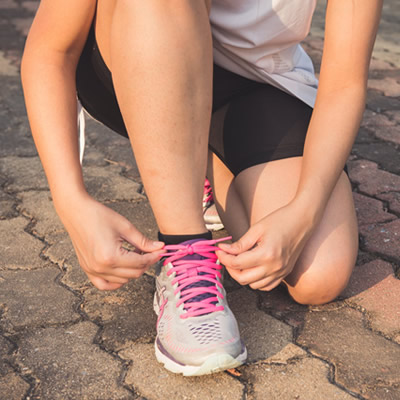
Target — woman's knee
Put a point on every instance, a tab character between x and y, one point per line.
321	287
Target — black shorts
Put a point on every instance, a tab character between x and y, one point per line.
253	122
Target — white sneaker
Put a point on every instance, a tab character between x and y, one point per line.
197	333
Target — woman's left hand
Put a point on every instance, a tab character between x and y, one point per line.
268	251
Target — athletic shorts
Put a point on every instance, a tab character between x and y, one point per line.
252	123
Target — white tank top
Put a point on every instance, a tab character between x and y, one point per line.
259	39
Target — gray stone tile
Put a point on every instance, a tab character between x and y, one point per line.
371	179
116	148
13	387
384	153
7	208
13	239
263	335
23	173
370	211
303	378
38	205
154	382
126	314
139	213
63	254
32	298
70	366
374	288
107	183
6	348
364	361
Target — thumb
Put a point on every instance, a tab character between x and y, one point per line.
245	243
141	242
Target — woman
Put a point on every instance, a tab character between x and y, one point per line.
277	149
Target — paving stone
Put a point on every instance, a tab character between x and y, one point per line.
31	5
393	200
126	314
106	183
383	153
7	207
363	360
13	105
390	134
389	86
23	173
69	365
385	393
370	211
372	180
305	378
154	382
115	147
62	253
38	205
373	120
22	25
379	65
13	238
279	304
289	353
8	4
379	126
6	348
139	213
364	258
94	157
374	288
6	68
33	298
13	387
377	102
383	238
394	115
263	335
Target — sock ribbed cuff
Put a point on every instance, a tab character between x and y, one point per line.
176	239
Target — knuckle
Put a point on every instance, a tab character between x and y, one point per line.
105	258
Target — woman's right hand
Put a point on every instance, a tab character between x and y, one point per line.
98	234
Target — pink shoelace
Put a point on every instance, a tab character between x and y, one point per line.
191	276
207	194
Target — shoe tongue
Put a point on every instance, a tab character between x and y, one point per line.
194	256
193	272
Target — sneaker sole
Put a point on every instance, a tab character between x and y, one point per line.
213	364
214	227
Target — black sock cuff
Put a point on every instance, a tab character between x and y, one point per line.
176	239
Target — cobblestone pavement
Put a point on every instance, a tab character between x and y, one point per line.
62	339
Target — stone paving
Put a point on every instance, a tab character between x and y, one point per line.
60	338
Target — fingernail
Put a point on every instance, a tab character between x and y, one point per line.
158	244
226	245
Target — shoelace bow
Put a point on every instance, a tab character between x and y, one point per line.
189	272
207	194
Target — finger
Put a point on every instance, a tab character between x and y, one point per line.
103	284
133	260
138	240
267	286
248	259
245	243
248	276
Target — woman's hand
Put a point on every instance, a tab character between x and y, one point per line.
268	251
98	234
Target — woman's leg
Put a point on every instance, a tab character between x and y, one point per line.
325	265
160	56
